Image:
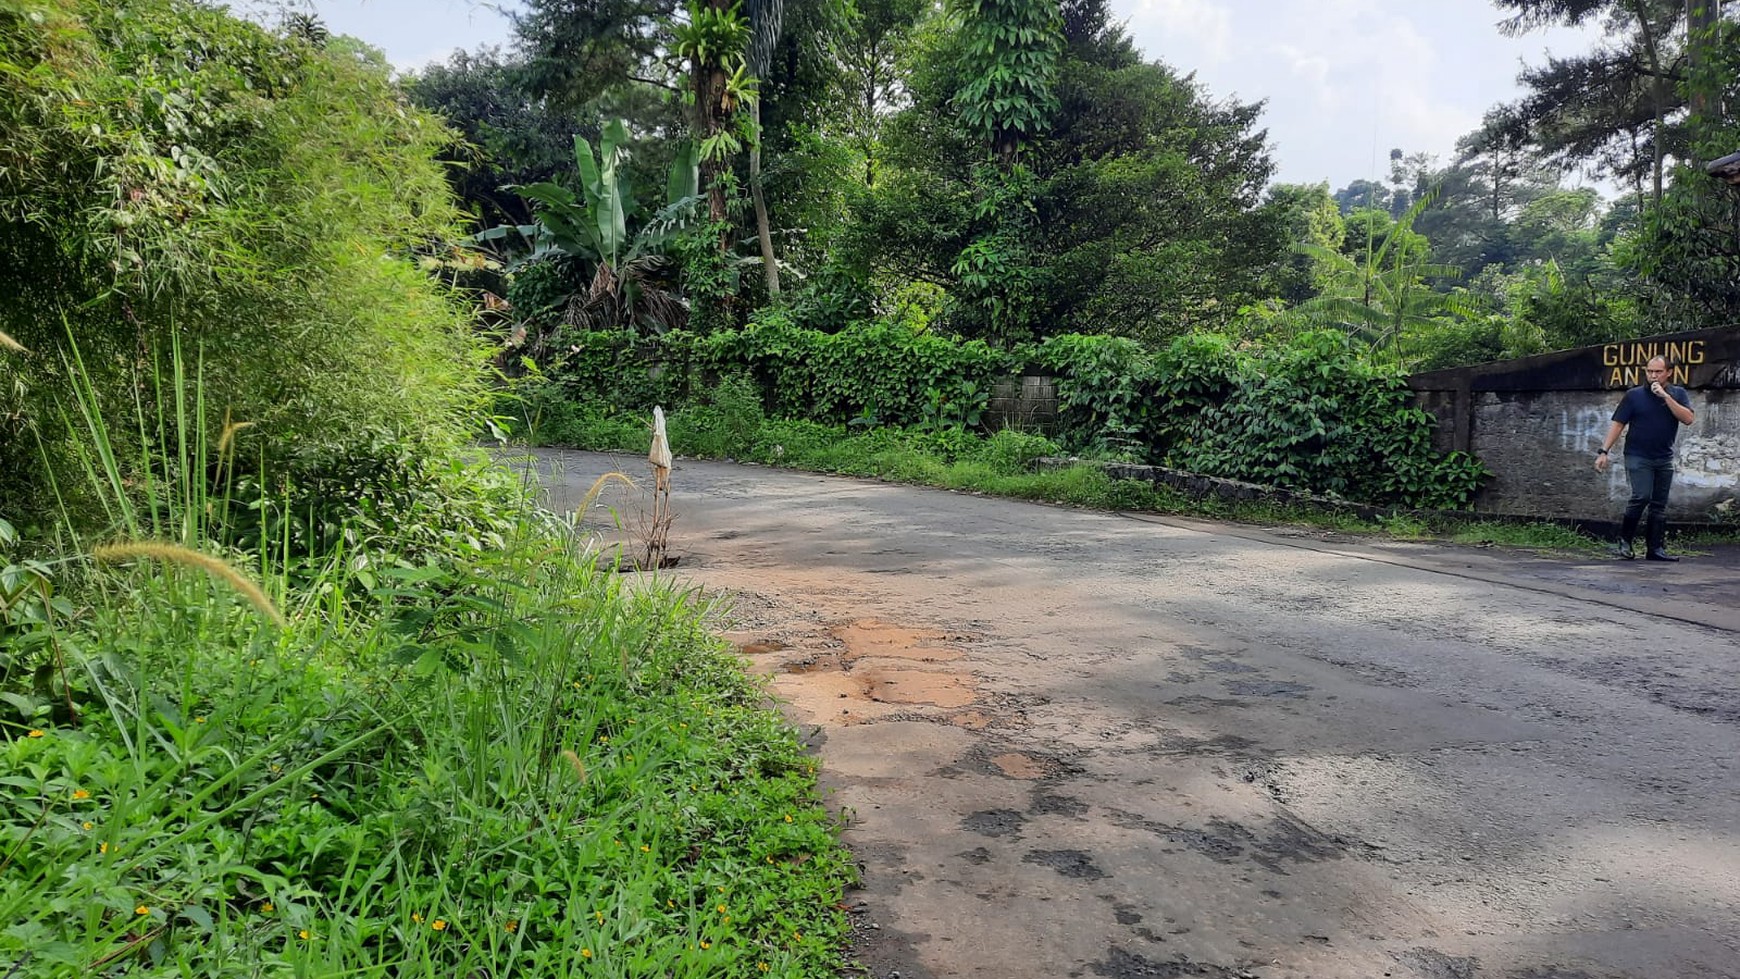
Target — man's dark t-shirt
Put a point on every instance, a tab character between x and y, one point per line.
1653	426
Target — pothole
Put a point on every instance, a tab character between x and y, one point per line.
1017	765
994	822
872	638
917	687
1070	863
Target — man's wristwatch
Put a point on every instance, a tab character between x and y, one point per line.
1601	452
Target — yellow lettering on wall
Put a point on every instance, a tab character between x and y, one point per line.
1627	360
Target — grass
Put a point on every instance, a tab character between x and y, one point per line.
1001	465
468	750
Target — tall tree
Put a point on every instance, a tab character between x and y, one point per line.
869	47
1009	50
1615	108
766	17
510	136
579	50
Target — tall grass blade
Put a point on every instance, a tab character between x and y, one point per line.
176	554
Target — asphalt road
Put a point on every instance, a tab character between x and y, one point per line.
1073	743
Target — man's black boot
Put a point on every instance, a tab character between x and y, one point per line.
1657	531
1627	534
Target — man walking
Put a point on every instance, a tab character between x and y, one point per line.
1653	412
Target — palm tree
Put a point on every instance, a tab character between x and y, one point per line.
1380	295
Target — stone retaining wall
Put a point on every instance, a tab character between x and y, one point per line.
1537	421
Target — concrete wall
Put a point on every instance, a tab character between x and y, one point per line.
1536	423
1541	448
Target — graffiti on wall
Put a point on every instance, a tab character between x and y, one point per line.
1624	361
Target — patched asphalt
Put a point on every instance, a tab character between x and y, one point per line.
1071	743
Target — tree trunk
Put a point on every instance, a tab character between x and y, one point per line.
1701	17
709	81
769	264
1657	94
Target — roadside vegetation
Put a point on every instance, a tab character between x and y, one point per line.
292	682
733	426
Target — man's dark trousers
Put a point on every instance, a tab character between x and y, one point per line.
1650	481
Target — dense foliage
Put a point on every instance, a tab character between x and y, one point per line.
1306	414
175	174
1010	172
452	749
291	684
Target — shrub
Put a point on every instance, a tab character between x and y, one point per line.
1314	415
177	175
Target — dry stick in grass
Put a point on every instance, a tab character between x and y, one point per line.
7	343
660	456
176	554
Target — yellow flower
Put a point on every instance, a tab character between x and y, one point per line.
797	936
90	826
141	909
416	918
670	903
199	720
81	794
33	734
585	953
788	817
439	924
721	909
645	849
706	945
599	915
102	848
512	926
303	934
763	966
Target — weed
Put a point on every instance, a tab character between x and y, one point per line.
1530	536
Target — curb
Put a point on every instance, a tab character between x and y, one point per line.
1200	487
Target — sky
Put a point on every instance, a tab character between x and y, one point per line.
1344	81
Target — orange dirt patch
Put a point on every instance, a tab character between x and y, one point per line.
971	720
917	687
830	698
1017	765
869	637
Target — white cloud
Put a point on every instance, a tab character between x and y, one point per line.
1311	68
1202	25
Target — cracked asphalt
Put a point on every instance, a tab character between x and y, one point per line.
1074	743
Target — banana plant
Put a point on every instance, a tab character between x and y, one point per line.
594	226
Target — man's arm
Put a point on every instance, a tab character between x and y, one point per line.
1613	432
1681	411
